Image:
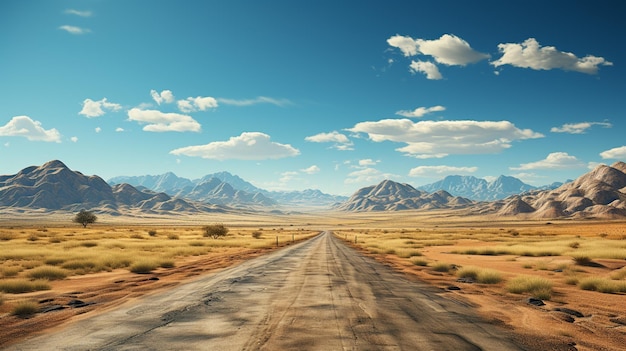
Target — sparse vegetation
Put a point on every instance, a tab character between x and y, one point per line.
20	286
602	285
84	218
442	267
215	231
48	272
480	275
25	309
538	287
144	266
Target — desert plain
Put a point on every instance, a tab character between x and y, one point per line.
55	273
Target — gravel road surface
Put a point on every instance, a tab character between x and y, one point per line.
316	295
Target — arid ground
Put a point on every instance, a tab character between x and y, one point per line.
473	261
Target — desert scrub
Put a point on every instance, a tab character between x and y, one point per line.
20	286
143	266
10	271
25	309
540	288
442	267
418	261
480	275
619	274
602	285
48	272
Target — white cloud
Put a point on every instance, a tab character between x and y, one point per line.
96	108
555	160
578	128
618	153
119	129
420	111
448	49
430	139
255	101
158	121
430	171
367	162
197	104
78	13
247	146
286	177
74	30
367	176
98	129
165	96
74	139
311	170
341	141
530	54
25	127
428	68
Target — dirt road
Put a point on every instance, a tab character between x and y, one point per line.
316	295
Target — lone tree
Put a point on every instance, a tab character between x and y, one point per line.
215	230
85	217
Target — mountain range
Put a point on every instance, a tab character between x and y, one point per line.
53	186
600	193
480	189
228	189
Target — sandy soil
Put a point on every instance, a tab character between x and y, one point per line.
602	327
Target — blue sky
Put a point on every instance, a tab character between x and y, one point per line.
332	95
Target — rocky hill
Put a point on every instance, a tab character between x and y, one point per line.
600	193
53	186
480	189
391	196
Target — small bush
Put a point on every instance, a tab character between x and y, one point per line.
6	236
480	275
167	264
603	285
48	272
20	286
54	261
136	236
574	245
619	274
581	259
172	236
256	234
418	261
215	230
143	267
89	244
11	271
442	267
539	287
152	232
25	309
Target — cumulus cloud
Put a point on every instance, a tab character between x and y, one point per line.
74	30
311	170
255	101
341	141
429	171
578	128
157	121
420	111
24	126
618	153
428	68
247	146
93	108
78	13
98	129
367	162
448	49
435	139
74	139
367	176
555	160
165	96
530	54
119	129
198	103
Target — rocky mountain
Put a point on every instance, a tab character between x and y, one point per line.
391	196
479	189
600	193
228	189
53	186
